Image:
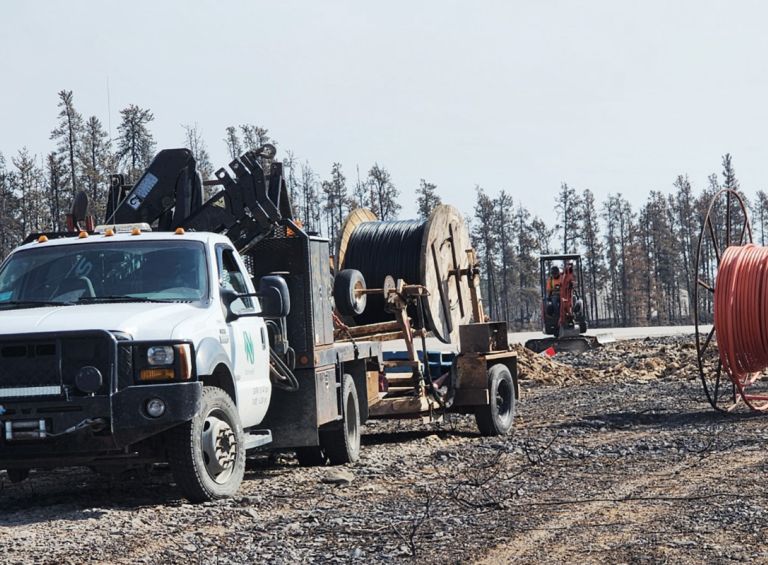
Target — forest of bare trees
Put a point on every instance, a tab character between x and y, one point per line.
637	261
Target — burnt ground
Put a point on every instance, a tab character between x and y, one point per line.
622	463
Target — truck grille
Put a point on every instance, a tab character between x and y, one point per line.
40	366
29	364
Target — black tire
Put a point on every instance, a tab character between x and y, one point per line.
17	475
583	326
498	417
345	286
311	456
341	443
215	429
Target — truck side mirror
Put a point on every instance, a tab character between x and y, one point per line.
274	297
228	297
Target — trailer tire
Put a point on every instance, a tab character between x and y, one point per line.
342	442
345	297
311	456
498	417
207	454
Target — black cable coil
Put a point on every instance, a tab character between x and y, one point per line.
378	249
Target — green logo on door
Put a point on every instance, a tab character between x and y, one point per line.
250	353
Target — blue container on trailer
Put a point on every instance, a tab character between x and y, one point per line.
439	361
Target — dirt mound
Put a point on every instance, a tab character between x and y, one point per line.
540	368
638	360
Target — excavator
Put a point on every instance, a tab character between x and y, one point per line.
562	306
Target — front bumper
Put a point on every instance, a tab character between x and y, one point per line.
74	429
124	414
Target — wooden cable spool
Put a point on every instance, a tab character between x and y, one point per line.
433	251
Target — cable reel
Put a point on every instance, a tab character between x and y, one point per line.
731	281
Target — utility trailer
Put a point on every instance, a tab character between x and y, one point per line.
192	332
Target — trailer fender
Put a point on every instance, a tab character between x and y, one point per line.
511	364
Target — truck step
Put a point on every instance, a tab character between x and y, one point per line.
257	438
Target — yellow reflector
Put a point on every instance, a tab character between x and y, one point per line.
83	235
42	239
109	232
155	374
135	231
179	231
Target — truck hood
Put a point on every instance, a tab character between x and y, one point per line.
141	320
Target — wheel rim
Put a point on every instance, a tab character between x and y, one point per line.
503	400
219	447
359	299
719	390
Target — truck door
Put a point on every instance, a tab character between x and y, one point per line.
249	351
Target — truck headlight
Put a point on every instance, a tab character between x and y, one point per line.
160	355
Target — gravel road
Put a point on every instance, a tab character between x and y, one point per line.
616	458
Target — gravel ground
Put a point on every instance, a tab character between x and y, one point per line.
627	464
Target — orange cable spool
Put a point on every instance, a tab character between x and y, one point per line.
737	290
741	317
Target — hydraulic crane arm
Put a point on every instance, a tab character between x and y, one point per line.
249	206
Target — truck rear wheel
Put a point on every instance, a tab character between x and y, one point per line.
207	454
497	418
342	443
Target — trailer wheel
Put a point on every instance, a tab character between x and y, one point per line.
311	456
207	454
342	442
497	418
346	285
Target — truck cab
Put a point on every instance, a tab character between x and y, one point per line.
108	340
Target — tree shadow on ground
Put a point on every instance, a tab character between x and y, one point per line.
659	418
386	438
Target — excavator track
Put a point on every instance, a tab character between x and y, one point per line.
574	344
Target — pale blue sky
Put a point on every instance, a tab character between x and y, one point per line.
608	95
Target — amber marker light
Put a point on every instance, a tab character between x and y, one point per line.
156	374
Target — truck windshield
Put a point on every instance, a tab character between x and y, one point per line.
163	271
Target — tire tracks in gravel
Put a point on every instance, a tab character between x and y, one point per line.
588	529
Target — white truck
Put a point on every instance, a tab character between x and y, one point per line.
208	335
128	346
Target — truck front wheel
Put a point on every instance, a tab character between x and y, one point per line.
207	454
